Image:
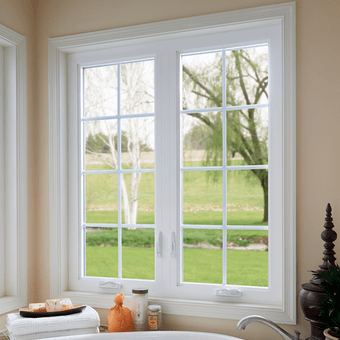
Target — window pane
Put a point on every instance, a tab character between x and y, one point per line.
247	197
101	198
100	91
247	257
247	76
138	253
137	87
202	255
138	202
202	197
202	81
102	252
100	145
247	137
202	139
138	143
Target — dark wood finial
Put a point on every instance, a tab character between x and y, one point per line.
312	293
328	236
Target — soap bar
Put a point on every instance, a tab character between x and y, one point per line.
58	304
37	307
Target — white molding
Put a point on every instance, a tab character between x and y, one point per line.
213	23
154	31
22	170
18	126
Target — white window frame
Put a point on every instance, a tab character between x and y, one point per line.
13	170
60	52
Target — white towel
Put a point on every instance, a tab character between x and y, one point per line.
18	325
45	335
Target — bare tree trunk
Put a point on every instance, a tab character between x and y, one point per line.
126	206
264	184
135	179
135	152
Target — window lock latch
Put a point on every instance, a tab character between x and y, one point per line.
159	244
228	292
173	245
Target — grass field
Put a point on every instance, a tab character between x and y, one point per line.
202	198
243	267
202	205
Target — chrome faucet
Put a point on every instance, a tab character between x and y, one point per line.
242	324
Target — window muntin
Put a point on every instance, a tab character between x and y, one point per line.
118	167
224	124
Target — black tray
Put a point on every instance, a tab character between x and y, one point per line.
29	314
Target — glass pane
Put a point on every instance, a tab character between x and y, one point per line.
247	257
202	255
247	76
101	198
102	252
247	137
138	253
202	139
137	87
247	197
202	197
138	143
138	198
202	81
100	144
100	91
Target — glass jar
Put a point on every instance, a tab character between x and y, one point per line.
140	308
154	317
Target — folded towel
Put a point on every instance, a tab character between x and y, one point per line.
47	335
18	325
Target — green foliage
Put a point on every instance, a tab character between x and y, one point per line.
330	307
99	143
144	237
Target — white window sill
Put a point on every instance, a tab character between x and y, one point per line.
221	310
9	303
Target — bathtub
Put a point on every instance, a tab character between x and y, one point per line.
161	335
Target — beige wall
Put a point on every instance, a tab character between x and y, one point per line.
318	120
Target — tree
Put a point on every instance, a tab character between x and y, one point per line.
246	84
136	96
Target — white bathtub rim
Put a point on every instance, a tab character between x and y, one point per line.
162	335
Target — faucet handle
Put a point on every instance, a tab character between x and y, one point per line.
297	334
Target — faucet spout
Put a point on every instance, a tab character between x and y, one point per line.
242	324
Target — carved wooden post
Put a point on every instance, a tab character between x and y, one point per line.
311	292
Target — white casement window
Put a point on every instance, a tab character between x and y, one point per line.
13	171
169	146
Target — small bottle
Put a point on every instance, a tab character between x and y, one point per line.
140	308
154	317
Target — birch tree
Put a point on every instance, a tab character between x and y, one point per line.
136	134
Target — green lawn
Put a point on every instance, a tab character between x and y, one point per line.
203	204
202	198
243	267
